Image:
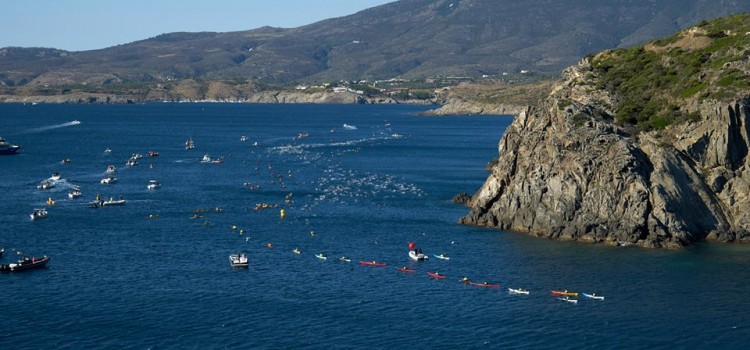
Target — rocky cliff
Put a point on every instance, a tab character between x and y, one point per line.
572	168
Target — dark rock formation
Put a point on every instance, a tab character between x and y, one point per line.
567	172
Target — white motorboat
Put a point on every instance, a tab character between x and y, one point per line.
207	159
417	256
189	144
239	260
38	214
55	177
74	193
132	162
111	169
45	185
108	180
153	184
112	202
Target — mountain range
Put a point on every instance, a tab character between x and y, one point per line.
408	39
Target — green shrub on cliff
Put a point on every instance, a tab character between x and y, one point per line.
707	61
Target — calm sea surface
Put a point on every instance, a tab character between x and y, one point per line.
119	278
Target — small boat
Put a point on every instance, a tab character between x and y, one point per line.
75	122
50	201
107	150
564	293
321	256
345	259
132	162
8	149
441	256
25	264
38	214
113	202
435	275
111	169
65	161
153	184
372	263
189	144
108	180
483	284
593	296
238	260
243	138
567	299
405	269
153	154
296	251
74	193
45	185
417	256
349	127
55	177
518	291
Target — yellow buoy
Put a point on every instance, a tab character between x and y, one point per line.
282	213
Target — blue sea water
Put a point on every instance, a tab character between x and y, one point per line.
120	279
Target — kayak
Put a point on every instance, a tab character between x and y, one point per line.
574	301
441	256
321	256
593	296
517	291
435	275
372	263
564	293
483	284
345	259
405	269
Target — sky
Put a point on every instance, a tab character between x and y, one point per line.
78	25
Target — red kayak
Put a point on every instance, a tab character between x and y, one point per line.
483	284
372	263
564	293
405	269
435	275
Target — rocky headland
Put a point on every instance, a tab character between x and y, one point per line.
646	146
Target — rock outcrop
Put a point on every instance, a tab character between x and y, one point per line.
567	171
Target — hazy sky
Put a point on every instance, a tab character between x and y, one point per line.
77	25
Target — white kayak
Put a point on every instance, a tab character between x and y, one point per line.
441	256
518	291
593	296
574	301
321	256
417	256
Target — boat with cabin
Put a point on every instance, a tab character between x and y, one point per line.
39	214
8	149
74	193
153	184
239	260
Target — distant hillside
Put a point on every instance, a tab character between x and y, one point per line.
406	39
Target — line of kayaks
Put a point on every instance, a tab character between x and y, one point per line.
563	295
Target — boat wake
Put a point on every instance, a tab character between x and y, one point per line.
51	127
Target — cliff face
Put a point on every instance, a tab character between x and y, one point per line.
567	171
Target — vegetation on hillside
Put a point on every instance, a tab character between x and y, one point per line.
654	81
